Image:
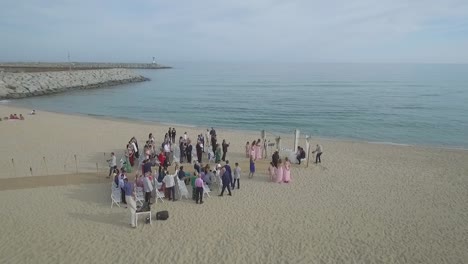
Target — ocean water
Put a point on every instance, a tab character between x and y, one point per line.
419	104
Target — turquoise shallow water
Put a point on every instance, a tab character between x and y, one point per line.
422	104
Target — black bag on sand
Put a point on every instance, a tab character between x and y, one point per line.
162	215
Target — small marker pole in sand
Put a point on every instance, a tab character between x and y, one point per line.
45	163
76	165
14	167
30	170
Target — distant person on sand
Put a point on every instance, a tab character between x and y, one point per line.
173	135
252	149
247	149
122	185
252	167
300	154
170	185
287	170
319	151
147	187
112	164
33	112
225	149
226	179
237	175
21	117
199	189
275	159
130	199
258	150
279	171
207	138
272	171
199	149
188	152
217	154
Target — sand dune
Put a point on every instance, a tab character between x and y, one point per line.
367	203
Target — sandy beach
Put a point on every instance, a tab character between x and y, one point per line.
366	203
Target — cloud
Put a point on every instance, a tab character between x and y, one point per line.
265	30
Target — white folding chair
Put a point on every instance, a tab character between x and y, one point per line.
116	196
159	195
142	213
139	195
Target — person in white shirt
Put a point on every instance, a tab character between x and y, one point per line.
167	152
185	136
170	184
237	174
112	164
147	187
319	151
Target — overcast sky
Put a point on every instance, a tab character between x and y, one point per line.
235	30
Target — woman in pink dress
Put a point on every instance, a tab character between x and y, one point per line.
272	172
258	154
279	171
287	171
247	150
252	150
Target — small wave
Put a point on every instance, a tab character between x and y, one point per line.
389	143
4	101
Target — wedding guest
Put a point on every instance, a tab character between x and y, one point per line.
272	171
199	149
258	150
252	167
275	158
225	149
226	179
112	164
207	138
170	185
319	151
247	150
130	201
279	171
188	153
209	176
229	170
218	154
173	134
199	189
123	176
252	149
147	187
237	175
213	143
287	170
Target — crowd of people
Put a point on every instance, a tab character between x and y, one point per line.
175	172
163	179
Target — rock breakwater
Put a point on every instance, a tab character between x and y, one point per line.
19	85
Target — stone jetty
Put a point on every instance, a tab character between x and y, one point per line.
14	84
